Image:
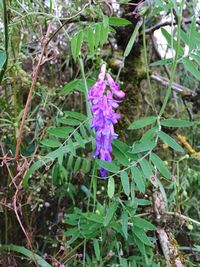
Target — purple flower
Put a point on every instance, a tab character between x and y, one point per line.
104	115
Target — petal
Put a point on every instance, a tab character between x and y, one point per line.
114	87
103	172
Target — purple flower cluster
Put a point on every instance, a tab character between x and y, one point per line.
104	115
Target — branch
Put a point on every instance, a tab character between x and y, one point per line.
175	86
46	41
168	23
183	217
35	76
169	248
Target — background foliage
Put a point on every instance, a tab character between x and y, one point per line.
55	209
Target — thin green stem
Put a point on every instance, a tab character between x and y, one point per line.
147	67
177	187
6	227
129	46
169	88
89	114
84	251
91	184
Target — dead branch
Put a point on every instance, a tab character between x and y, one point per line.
35	76
168	23
168	243
175	86
170	249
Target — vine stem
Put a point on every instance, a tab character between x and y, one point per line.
35	75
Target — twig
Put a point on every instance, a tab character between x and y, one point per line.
175	86
15	208
168	23
183	217
35	75
6	205
46	41
169	248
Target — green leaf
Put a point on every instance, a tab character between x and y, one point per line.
123	262
124	220
109	166
176	123
125	182
159	9
143	224
83	132
192	41
162	62
141	235
3	57
105	21
170	141
143	146
103	34
146	168
189	66
76	85
74	237
61	132
140	246
110	213
94	217
74	46
184	37
70	161
49	158
71	147
79	43
120	156
132	40
71	122
142	202
138	178
123	147
97	34
171	41
90	36
116	227
79	139
75	115
77	164
196	58
111	187
149	135
86	166
96	248
50	143
27	253
160	166
71	86
115	21
132	190
142	123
